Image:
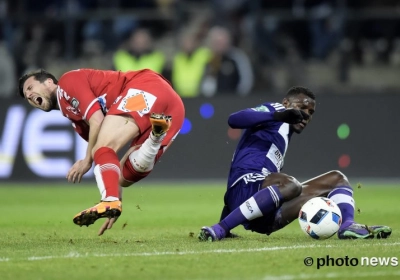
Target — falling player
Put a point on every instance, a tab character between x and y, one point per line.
110	109
261	198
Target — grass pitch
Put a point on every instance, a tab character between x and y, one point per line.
156	238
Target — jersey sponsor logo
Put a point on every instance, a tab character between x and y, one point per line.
261	108
276	157
137	100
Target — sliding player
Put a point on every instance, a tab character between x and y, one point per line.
261	198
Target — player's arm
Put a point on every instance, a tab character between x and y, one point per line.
248	118
80	167
77	85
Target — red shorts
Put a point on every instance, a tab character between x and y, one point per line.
149	93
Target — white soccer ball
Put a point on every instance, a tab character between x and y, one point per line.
320	218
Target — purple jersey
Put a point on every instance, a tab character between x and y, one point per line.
263	145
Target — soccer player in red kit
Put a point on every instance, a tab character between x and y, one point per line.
110	109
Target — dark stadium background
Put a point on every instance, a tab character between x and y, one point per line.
206	150
356	80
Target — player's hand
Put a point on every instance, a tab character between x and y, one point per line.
109	222
80	168
291	116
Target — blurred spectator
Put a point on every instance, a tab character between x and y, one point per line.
109	33
279	37
326	23
34	49
229	69
189	65
139	53
113	31
395	54
8	75
230	14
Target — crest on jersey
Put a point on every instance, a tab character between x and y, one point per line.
75	103
137	100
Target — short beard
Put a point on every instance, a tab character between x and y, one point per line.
52	103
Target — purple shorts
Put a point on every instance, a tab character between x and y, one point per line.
242	191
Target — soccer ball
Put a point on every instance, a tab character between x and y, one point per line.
320	218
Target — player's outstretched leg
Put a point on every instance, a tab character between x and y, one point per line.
105	209
334	185
252	203
349	229
107	168
107	172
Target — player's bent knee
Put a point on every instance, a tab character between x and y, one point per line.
291	188
296	187
339	178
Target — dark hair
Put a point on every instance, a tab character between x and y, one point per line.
300	90
39	75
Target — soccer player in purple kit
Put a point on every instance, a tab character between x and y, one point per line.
258	195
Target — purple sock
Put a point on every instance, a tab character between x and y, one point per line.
260	204
343	197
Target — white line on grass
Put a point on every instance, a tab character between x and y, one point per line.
217	251
334	275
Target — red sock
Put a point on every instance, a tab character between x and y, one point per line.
130	174
108	163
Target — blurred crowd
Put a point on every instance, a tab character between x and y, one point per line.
204	47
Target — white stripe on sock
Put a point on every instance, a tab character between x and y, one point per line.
109	166
345	189
274	196
342	198
99	180
250	209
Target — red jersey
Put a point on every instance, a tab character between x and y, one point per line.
82	92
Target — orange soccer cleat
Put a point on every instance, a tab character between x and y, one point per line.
105	209
160	124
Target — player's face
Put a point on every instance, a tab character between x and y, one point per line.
304	103
40	95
